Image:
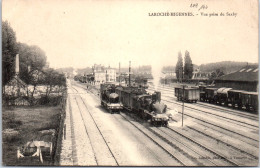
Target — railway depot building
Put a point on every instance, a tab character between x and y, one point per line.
244	79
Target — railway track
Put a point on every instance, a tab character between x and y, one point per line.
165	135
107	145
218	147
197	152
86	130
222	132
91	138
216	125
207	122
237	122
247	151
167	148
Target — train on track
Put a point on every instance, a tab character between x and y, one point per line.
146	106
222	96
109	98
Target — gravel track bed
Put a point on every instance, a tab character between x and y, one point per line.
130	146
228	152
84	151
225	125
205	155
103	155
235	143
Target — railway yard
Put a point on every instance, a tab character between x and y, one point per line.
211	135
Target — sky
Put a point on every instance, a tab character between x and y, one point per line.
80	33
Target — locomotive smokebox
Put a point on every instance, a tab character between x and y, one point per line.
156	96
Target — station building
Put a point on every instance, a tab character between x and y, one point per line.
244	79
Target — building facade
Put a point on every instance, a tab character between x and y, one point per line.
104	74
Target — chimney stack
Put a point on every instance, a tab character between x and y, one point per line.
17	64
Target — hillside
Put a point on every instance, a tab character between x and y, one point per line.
225	66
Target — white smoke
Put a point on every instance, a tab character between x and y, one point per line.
156	72
75	72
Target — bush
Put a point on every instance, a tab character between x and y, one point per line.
48	100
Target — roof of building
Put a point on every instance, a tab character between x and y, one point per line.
247	74
16	81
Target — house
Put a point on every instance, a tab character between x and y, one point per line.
15	91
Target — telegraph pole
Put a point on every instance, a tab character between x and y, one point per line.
129	73
182	98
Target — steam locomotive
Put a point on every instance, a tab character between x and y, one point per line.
147	106
110	99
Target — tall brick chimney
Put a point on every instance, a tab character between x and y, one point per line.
17	64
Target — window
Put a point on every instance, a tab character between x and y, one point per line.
242	70
255	70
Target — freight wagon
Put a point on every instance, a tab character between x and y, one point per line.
222	96
249	100
210	95
227	96
187	94
234	98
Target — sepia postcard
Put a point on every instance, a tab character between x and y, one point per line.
130	83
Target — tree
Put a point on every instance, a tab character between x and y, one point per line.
188	66
217	73
52	79
9	51
31	58
179	67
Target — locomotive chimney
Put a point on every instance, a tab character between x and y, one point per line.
158	96
17	64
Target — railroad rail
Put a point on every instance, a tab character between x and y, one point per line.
98	130
237	122
154	130
153	134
